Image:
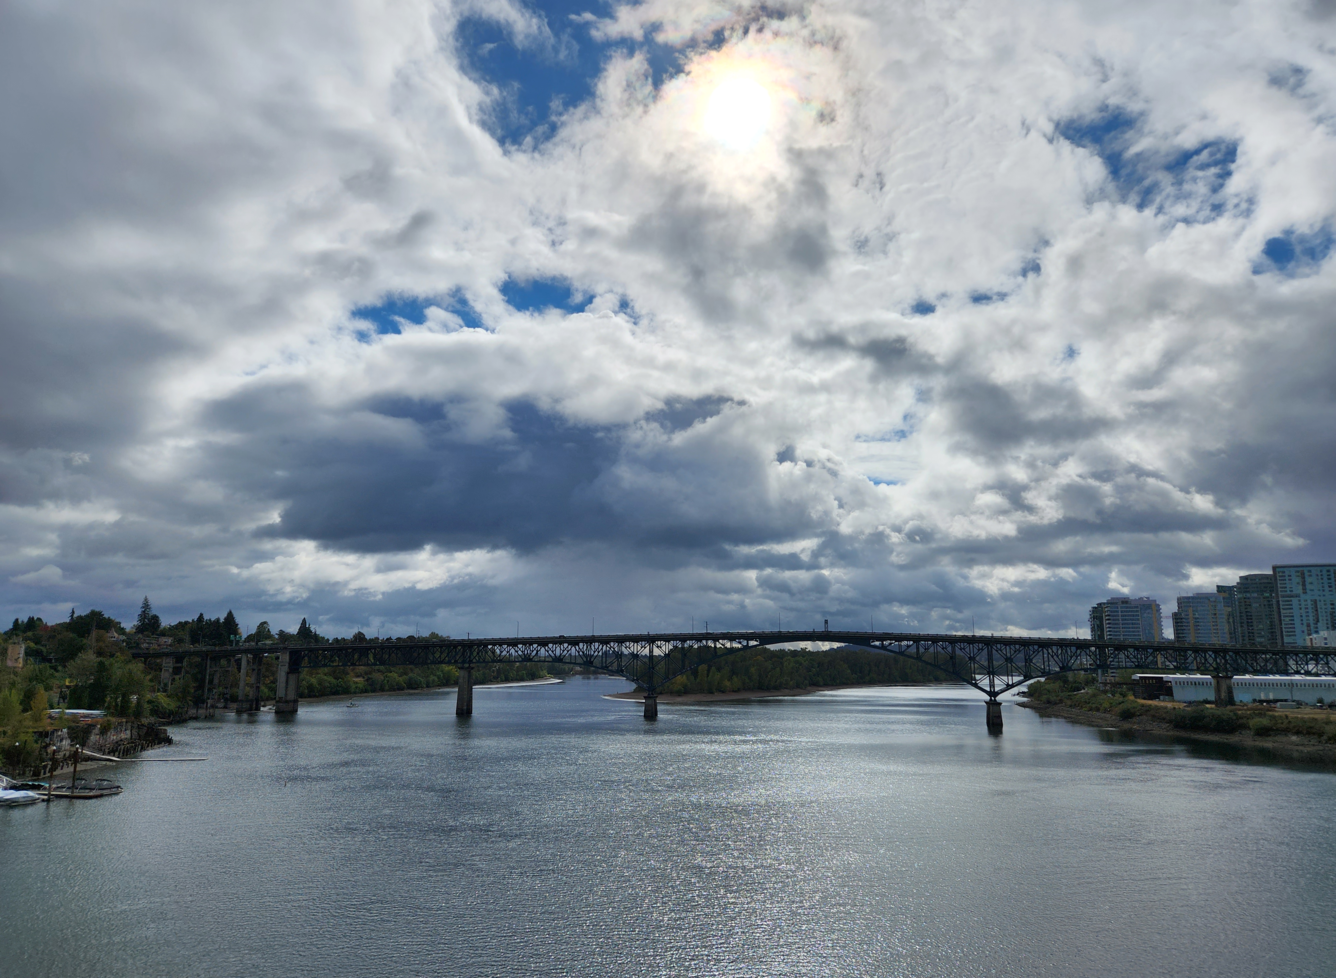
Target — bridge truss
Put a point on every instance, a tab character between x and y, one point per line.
991	664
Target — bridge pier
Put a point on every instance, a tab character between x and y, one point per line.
1224	690
288	684
464	697
994	717
168	667
253	706
242	670
651	706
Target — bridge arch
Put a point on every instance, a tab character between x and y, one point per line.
723	653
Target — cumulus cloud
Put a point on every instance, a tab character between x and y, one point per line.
449	314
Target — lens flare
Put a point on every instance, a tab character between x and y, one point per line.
738	112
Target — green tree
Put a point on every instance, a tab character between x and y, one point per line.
230	626
67	646
147	623
304	633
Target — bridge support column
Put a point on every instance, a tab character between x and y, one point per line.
1224	690
464	697
994	717
168	667
243	703
651	706
257	671
289	683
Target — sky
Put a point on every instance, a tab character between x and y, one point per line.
478	317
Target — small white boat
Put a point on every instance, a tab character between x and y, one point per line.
352	703
11	795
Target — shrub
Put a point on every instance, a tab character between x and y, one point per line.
1206	720
1127	711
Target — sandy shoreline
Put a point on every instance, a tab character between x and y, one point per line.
761	694
426	689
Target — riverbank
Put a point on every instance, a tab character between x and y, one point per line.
546	681
1259	732
113	737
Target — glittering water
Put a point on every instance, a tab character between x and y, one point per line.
871	832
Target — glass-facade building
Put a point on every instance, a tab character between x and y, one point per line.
1203	619
1306	599
1126	620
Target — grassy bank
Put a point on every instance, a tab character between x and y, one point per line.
1309	734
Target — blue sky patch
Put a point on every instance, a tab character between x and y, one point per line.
986	298
1295	254
923	308
385	315
535	295
1187	183
540	77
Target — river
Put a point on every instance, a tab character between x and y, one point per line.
872	832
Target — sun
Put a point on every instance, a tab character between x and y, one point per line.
738	112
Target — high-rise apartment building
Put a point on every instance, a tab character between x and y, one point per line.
1126	620
1306	597
1256	614
1202	618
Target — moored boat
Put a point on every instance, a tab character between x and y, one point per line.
15	793
13	797
86	788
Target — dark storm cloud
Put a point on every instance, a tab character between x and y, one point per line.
991	418
402	474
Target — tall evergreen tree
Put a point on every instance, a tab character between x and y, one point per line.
147	623
230	624
304	633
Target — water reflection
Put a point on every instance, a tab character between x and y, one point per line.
850	833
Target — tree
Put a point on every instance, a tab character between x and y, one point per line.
147	623
304	633
262	633
230	626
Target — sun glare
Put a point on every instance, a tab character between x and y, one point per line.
738	112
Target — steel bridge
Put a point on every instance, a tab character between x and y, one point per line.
992	664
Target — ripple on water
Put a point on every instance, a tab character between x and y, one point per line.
859	832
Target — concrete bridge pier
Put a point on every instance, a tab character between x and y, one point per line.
1224	690
257	670
168	667
464	697
242	675
651	705
289	683
994	717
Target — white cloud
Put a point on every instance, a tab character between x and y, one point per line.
1106	389
47	576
